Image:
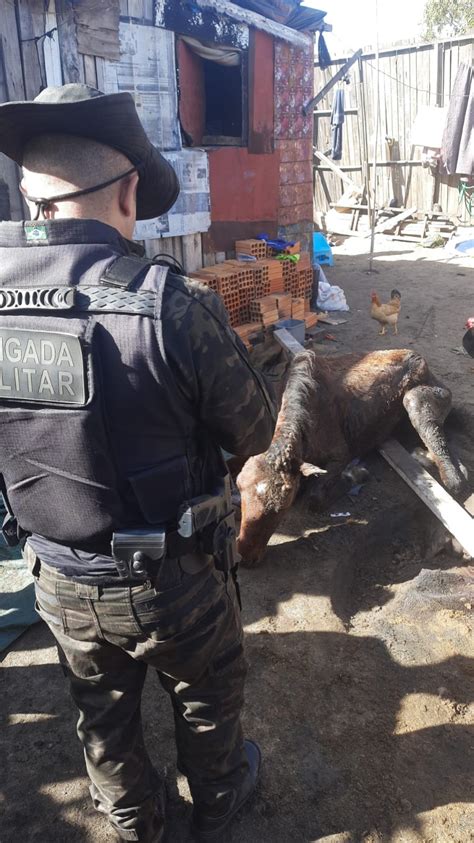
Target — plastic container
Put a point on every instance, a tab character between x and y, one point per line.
295	327
322	252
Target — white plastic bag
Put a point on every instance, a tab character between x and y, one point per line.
330	298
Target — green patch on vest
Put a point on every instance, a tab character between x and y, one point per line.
36	232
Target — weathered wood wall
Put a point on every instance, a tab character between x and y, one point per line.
410	77
81	37
51	42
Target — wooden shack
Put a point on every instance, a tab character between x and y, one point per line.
220	88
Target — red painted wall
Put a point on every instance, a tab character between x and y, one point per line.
267	186
261	92
244	182
243	186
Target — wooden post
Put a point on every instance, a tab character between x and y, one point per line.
365	143
308	106
71	61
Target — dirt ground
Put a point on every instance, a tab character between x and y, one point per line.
360	686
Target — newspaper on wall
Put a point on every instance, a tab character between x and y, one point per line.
147	70
191	212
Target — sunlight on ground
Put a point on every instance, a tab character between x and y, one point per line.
36	717
66	791
441	708
41	656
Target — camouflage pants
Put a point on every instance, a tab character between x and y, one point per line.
190	632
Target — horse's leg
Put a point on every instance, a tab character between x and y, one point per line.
427	407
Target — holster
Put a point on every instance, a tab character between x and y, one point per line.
205	524
138	553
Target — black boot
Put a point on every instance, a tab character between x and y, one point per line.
208	825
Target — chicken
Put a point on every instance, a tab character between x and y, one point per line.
468	338
386	314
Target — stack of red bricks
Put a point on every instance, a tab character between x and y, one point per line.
226	280
282	304
246	286
257	293
267	276
298	309
247	331
254	248
261	277
264	310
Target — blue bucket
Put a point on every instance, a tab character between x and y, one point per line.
322	252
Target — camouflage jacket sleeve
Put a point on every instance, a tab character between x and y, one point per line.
213	369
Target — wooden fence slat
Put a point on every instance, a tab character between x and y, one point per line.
192	252
32	21
11	89
72	65
90	71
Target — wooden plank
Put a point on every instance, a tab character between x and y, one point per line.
100	70
327	112
72	65
90	71
11	88
451	514
98	28
192	252
31	19
52	57
142	10
11	53
328	87
287	341
338	170
331	320
209	259
389	225
251	19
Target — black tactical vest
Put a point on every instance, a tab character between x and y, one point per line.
95	436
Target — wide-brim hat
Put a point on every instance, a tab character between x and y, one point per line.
110	119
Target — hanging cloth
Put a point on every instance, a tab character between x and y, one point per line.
323	53
457	148
337	119
228	56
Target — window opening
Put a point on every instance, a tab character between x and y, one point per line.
213	96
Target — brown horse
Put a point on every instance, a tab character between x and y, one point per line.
332	411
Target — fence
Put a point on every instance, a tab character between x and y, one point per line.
410	77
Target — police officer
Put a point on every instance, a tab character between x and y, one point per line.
120	381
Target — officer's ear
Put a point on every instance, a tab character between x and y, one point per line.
128	196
